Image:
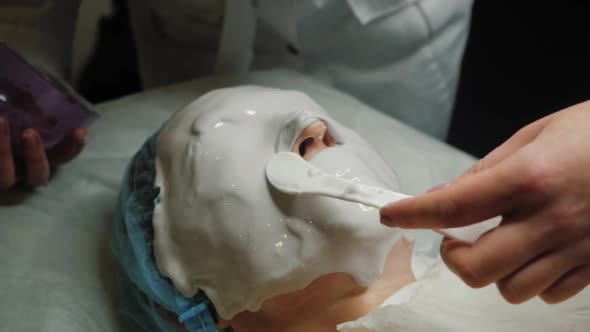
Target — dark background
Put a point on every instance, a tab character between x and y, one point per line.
524	60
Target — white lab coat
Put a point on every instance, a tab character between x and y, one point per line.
400	56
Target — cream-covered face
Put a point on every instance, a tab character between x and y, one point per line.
222	228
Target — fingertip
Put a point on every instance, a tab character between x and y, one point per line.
30	136
386	221
401	213
387	216
80	135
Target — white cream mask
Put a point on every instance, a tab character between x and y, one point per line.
222	228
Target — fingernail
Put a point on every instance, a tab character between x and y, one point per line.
444	246
439	187
387	221
28	134
449	244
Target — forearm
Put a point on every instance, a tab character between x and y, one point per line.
42	31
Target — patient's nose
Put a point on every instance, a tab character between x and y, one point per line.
313	140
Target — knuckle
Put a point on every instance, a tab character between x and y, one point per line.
527	130
479	166
539	180
562	218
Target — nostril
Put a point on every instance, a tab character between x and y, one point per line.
312	140
303	145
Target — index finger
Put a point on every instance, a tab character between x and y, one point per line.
471	199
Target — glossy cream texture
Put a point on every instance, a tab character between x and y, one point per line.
222	228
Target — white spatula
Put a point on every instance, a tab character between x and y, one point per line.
291	174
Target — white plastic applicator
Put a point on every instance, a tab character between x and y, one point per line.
291	174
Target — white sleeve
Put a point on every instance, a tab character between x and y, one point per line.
42	31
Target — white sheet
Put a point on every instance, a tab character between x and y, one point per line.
55	264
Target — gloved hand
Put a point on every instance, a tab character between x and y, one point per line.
36	169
